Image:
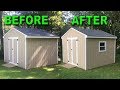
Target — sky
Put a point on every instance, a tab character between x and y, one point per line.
11	13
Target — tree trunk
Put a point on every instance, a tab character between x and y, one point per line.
1	34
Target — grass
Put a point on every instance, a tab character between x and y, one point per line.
57	72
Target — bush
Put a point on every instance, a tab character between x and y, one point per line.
118	51
1	54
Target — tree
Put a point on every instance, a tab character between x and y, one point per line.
56	21
113	26
1	34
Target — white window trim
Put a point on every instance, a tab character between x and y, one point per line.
101	46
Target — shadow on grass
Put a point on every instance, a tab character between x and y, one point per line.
111	71
51	72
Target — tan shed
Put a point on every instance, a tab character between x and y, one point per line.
87	48
30	48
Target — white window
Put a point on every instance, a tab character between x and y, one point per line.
102	46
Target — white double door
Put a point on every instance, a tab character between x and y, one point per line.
13	50
72	50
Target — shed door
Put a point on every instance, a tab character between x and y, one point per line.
13	50
72	50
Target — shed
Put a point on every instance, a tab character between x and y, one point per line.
30	48
87	48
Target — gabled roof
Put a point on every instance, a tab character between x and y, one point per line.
94	33
32	32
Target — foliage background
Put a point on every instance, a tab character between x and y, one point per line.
60	22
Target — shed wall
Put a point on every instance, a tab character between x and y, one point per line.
41	52
96	58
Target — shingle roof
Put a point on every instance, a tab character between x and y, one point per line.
35	32
94	33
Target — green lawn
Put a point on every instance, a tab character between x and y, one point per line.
57	72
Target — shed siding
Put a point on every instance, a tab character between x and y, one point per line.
41	52
21	47
96	58
81	47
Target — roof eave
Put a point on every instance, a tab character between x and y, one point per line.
101	37
40	37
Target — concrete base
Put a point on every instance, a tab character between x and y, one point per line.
9	65
68	66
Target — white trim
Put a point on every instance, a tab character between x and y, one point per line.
6	33
77	52
57	50
25	54
114	50
62	52
72	49
79	32
40	37
17	51
13	29
4	48
29	36
101	37
74	30
19	31
9	48
85	53
102	46
86	35
12	50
